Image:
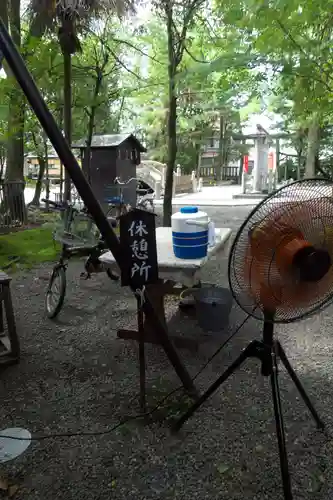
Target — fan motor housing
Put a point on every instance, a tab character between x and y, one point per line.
312	264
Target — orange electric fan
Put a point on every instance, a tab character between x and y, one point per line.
285	268
280	270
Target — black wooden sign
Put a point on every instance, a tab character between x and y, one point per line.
138	245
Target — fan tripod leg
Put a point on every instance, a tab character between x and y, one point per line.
268	351
285	361
249	352
280	427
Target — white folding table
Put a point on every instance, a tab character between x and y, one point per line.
175	275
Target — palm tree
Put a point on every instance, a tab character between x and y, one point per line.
69	18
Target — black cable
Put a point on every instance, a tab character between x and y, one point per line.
224	344
133	417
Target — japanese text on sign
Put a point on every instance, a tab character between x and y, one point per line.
139	249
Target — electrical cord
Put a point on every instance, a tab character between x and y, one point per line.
133	417
222	346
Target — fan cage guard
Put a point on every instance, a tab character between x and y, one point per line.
307	206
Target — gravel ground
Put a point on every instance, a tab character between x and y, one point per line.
76	376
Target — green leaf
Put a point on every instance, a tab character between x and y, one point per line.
223	468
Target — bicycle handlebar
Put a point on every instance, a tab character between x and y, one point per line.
53	203
118	181
65	205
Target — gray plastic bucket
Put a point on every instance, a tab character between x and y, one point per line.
213	305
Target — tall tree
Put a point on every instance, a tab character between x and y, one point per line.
202	93
67	17
98	66
10	12
94	85
178	17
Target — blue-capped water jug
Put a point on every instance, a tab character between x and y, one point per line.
190	233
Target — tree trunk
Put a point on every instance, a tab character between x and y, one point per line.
172	125
67	114
38	189
47	177
4	12
120	114
15	144
313	147
91	123
60	123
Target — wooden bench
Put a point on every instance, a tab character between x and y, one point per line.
9	343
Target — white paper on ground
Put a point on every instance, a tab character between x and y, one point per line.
12	448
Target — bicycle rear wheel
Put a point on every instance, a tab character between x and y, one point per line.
56	291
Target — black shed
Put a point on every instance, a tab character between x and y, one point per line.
111	156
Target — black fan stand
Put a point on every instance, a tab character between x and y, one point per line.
268	350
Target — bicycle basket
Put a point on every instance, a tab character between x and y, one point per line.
76	230
115	194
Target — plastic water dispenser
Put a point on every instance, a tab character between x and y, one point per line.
190	233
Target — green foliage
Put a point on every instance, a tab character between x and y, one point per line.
95	84
240	57
32	246
203	93
45	63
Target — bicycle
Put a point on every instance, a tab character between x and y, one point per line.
82	241
79	237
145	196
145	200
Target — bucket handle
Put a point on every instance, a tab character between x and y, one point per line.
188	291
201	223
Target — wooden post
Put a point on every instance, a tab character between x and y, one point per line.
142	359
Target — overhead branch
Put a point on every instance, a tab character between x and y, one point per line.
180	36
300	48
142	52
195	59
121	63
192	7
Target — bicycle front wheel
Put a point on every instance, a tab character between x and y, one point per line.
56	291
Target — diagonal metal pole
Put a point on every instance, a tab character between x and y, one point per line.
25	80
